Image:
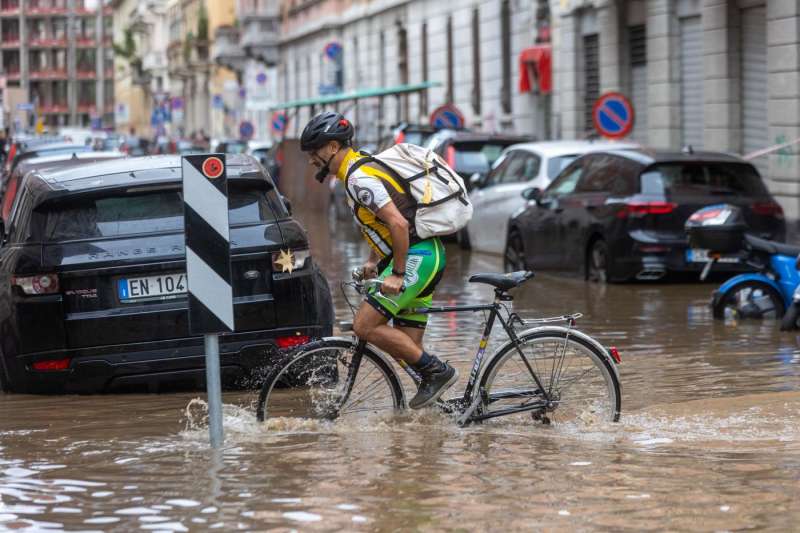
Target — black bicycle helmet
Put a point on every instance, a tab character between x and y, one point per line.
325	127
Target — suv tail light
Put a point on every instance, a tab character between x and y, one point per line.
640	209
770	209
38	284
49	365
400	137
292	341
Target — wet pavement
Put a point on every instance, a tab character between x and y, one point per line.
709	437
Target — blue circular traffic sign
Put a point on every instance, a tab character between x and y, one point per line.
613	115
279	120
447	116
261	78
246	129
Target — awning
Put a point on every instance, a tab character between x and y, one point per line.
357	95
539	61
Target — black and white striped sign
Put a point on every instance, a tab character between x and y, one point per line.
208	254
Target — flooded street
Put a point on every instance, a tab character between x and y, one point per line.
709	437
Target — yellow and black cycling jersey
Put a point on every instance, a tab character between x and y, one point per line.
369	188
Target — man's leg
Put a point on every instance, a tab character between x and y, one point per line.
372	326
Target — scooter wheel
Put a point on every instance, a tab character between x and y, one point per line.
749	299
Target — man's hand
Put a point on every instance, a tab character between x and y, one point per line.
369	270
392	285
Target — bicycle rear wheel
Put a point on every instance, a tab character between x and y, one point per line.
578	377
320	381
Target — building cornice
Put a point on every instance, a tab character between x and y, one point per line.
337	21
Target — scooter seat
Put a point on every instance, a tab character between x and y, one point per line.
771	247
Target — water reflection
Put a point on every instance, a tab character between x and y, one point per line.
709	437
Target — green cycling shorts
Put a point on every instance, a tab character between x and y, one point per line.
424	268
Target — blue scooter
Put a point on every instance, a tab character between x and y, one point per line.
768	291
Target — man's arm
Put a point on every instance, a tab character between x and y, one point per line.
398	228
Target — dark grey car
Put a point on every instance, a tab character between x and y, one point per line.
620	215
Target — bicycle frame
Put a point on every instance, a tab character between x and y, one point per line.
469	401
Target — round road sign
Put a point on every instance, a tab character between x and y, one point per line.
613	115
279	120
213	167
246	129
447	116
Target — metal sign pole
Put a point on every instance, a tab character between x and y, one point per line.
208	268
214	390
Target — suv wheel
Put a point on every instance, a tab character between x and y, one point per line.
597	262
514	255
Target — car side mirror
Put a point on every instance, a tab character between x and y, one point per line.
477	180
532	193
286	203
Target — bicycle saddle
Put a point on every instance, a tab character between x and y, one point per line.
771	247
503	281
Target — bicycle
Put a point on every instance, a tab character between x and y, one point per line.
532	372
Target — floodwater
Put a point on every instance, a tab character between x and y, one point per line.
709	437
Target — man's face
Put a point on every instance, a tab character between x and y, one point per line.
319	157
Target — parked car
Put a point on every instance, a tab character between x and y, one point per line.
471	152
8	192
77	241
404	132
620	215
231	146
496	196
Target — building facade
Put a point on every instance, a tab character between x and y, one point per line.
142	86
712	74
471	49
196	79
58	52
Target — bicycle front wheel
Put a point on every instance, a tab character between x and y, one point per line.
562	378
321	380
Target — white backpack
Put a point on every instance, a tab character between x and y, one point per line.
443	206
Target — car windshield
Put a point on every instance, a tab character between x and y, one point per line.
471	157
151	212
556	164
703	178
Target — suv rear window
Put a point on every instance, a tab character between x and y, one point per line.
739	179
151	212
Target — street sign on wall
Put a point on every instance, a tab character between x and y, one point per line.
447	116
613	115
246	130
278	122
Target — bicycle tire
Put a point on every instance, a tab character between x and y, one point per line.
501	391
308	384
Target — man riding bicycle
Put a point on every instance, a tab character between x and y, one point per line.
409	267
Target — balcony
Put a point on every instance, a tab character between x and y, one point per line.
55	108
226	51
85	41
46	10
48	42
260	44
85	107
48	74
10	41
9	10
86	74
12	75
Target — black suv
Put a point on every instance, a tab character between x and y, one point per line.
92	280
620	215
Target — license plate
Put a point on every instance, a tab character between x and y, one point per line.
161	286
698	255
